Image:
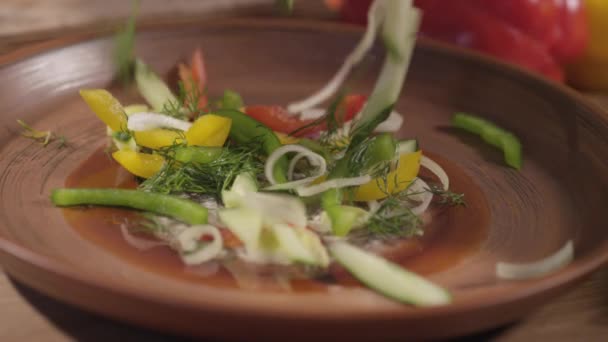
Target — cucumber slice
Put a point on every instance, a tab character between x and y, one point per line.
387	278
152	88
246	224
291	245
243	183
407	146
313	243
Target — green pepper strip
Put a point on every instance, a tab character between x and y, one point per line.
364	156
246	130
197	154
182	209
493	135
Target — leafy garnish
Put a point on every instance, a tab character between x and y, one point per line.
43	137
124	58
394	219
447	197
204	178
186	103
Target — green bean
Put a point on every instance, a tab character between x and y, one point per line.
493	135
181	209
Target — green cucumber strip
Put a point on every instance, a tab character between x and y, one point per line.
242	184
246	224
291	245
152	88
400	27
387	278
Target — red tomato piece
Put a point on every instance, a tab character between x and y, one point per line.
278	119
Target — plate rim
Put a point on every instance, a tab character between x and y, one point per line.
568	276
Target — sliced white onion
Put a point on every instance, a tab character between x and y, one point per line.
139	243
193	252
312	190
539	268
419	192
435	168
148	121
314	158
391	124
312	113
374	19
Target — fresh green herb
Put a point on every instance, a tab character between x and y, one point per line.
447	197
394	219
205	178
43	137
124	59
186	103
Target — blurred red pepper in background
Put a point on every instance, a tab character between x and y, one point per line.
540	35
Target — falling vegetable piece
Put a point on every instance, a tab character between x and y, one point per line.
209	130
184	210
152	87
493	135
140	164
158	138
106	107
231	100
396	181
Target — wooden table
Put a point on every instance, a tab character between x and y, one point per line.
26	315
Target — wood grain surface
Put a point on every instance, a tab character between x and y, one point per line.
580	315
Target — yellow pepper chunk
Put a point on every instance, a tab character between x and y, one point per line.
157	138
209	130
140	164
136	108
286	139
398	179
106	107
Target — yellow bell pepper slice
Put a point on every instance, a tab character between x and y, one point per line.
286	139
209	130
157	138
106	107
398	179
140	164
136	108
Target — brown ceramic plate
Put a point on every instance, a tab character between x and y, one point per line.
560	194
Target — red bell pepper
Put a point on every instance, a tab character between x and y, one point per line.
278	119
536	34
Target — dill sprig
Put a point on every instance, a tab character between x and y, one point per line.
394	219
187	102
205	178
43	137
447	197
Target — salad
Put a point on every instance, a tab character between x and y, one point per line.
301	186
